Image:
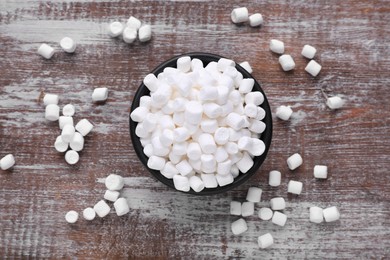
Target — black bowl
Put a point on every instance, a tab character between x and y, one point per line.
266	136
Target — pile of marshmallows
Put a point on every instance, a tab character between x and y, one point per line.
114	184
245	209
200	125
130	31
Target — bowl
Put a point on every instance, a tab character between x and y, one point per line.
266	136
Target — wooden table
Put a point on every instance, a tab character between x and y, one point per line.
352	38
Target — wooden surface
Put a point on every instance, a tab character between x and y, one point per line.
352	38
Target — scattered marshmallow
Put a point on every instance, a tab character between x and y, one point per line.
121	206
72	157
72	217
129	34
331	214
255	20
308	51
287	62
7	162
239	15
60	145
313	68
335	102
320	172
284	112
279	218
254	194
111	195
84	127
115	29
316	215
52	112
265	241
265	213
277	203
67	133
181	183
276	46
133	22
294	161
145	33
50	99
101	208
89	214
46	51
114	182
294	187
68	111
247	209
99	94
239	226
77	142
68	44
274	178
235	208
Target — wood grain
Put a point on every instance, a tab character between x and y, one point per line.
352	38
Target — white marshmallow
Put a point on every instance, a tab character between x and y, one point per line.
224	180
180	148
224	63
256	126
335	102
234	171
223	96
238	79
150	122
52	112
245	163
244	143
174	158
208	93
236	157
231	148
184	64
121	206
209	163
181	134
101	208
221	154
246	85
260	113
196	165
67	133
287	62
60	145
151	82
254	97
250	110
7	162
196	64
114	182
46	51
162	95
223	168
274	178
139	114
277	203
115	29
279	218
247	209
99	94
221	135
111	195
239	226
194	151
77	142
320	172
294	187
316	215
168	108
129	34
68	44
313	68
308	51
212	110
71	216
184	168
179	118
196	183
133	23
235	121
50	99
265	213
235	98
141	132
68	111
235	208
210	181
255	20
265	241
331	214
294	161
209	125
181	183
207	143
84	127
145	101
254	194
246	66
156	163
145	33
284	112
169	170
167	137
72	157
179	104
276	46
89	214
239	15
230	72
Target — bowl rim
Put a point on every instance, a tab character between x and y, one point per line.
266	136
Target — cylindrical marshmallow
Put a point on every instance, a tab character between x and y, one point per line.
235	97
255	97
60	145
224	180
313	68
316	215
115	29
255	20
223	168
101	208
294	187
179	148
246	66
212	110
308	51
89	214
184	64
167	137
71	217
234	171
84	127
208	163
210	181
331	214
239	226
196	183
279	218
68	44
245	163
111	195
257	147
174	158
129	34
254	194
196	64
244	143
239	15
181	134
274	178
52	112
235	208
121	207
335	102
277	203
221	154
72	157
139	114
67	133
223	63
99	94
284	112
320	172
50	99
265	241
133	23
156	163
235	121
209	125
221	135
77	142
194	151
145	33
169	170
276	46
151	82
250	110
68	110
265	213
46	51
257	126
114	182
294	161
246	85
287	62
247	209
181	183
7	162
207	143
184	168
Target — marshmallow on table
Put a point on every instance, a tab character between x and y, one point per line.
210	181
294	161
255	20
313	68
68	44
111	195
239	15
101	208
247	209
145	33
235	208
72	157
246	85
320	171
265	240
294	187
99	94
287	62
46	51
331	214
274	178
224	180
7	162
184	64
334	102
265	213
245	163
89	213
316	215
239	226
67	133
52	112
121	206
115	29
60	145
169	170
133	23
77	142
279	218
196	183
277	203
276	46
129	34
284	112
308	51
246	66
68	110
71	217
254	194
114	182
181	183
50	99
84	127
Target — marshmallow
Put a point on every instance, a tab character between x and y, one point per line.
260	113
246	85
331	214
72	217
139	114
276	46
236	157
174	158
284	112
7	162
235	121
313	68
68	111
239	15
255	97
111	195
225	63
141	132
250	110
246	66
245	163
277	203
207	143
212	110
279	218
89	214
115	29
67	133
196	183
265	213
133	22
156	163
239	226
231	148
221	154
287	62
179	148
151	82
238	79
50	99
320	172
60	145
194	151
224	180
235	98
77	142
209	163
235	208
208	93
223	168
179	118
221	135
294	161
181	183
210	181
247	209
52	112
244	143
101	208
129	34
184	64
84	127
294	187
254	194
169	170
196	64
209	125
68	44
99	94
114	182
72	157
167	137
121	207
184	168
256	126
46	51
230	72
265	241
234	171
181	134
162	95
308	51
168	108
316	215
179	104
334	102
145	33
274	178
255	20
145	101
